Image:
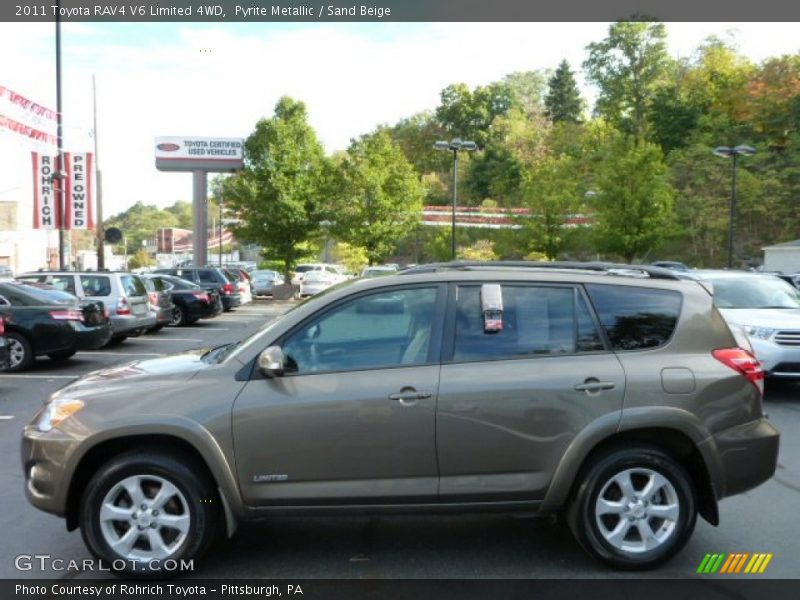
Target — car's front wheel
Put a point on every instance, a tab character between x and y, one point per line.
634	507
141	510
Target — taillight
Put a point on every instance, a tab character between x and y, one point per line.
2	326
69	314
227	289
123	308
742	361
202	296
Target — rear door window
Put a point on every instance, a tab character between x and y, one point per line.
96	285
636	318
537	321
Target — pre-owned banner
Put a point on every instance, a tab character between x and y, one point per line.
78	200
45	200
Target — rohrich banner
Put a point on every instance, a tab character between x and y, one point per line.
78	202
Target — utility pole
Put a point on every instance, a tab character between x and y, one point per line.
60	173
100	233
220	230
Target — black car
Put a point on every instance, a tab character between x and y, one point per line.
191	301
41	321
210	278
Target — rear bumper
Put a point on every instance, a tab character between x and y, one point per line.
92	338
231	301
747	456
163	314
126	323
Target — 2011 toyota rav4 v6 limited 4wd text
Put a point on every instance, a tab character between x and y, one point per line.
624	402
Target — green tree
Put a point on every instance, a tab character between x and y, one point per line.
140	259
379	200
551	192
628	66
633	205
141	222
563	99
468	114
279	195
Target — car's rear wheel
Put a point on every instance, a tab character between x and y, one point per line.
20	352
634	508
142	509
60	356
177	317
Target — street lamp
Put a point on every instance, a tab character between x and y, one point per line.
454	146
728	152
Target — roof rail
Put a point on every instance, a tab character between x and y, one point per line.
605	267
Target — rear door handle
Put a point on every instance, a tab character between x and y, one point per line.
593	385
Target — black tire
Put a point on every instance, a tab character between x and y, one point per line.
61	356
20	352
187	476
178	317
581	513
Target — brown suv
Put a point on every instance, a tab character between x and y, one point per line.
618	396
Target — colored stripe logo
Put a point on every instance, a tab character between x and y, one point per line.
734	563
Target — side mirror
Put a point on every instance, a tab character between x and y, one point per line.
270	362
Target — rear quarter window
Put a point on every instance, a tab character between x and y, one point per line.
636	318
133	286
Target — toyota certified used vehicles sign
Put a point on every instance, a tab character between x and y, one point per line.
189	153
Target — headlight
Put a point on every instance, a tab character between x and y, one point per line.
763	333
56	411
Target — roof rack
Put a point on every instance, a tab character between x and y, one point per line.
604	267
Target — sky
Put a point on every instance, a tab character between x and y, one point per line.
219	79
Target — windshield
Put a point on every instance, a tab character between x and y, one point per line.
754	292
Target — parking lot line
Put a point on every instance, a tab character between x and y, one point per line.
164	339
207	328
98	352
6	417
25	376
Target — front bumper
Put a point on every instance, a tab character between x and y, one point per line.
747	456
45	456
777	360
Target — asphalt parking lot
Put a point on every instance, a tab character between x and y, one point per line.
468	546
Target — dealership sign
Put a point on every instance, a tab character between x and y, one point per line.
178	153
78	174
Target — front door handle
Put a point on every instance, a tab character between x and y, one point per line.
594	386
409	396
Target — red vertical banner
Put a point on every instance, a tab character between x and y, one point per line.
89	190
67	181
78	210
45	197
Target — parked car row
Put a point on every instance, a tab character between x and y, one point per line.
58	313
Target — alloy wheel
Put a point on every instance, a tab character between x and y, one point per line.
637	510
16	353
145	518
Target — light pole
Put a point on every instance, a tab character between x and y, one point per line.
734	153
454	146
220	231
